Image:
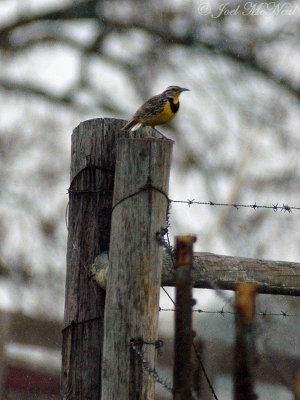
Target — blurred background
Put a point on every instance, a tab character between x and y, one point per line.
236	141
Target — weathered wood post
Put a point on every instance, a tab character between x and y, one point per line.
183	318
90	207
135	262
245	342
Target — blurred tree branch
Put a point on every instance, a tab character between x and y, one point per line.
237	50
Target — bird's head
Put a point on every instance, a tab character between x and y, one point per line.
173	92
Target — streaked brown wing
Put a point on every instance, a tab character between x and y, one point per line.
151	107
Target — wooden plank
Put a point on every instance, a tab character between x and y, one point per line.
90	200
134	278
226	272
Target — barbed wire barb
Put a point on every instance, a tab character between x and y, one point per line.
148	186
254	206
146	366
222	312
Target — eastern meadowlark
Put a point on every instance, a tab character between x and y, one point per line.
157	110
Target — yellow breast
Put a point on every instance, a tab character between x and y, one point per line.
163	117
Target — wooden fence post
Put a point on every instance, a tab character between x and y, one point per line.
245	355
183	318
135	261
90	202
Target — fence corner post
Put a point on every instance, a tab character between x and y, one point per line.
93	158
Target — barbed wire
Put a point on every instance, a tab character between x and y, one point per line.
255	206
134	343
170	250
259	332
146	366
160	237
204	371
167	245
148	186
222	312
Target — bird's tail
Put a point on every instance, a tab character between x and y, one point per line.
132	124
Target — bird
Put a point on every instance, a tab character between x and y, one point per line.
157	110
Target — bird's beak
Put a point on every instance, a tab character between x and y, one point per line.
184	90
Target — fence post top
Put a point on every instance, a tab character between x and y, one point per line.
186	239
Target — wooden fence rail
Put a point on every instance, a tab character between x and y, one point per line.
227	272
